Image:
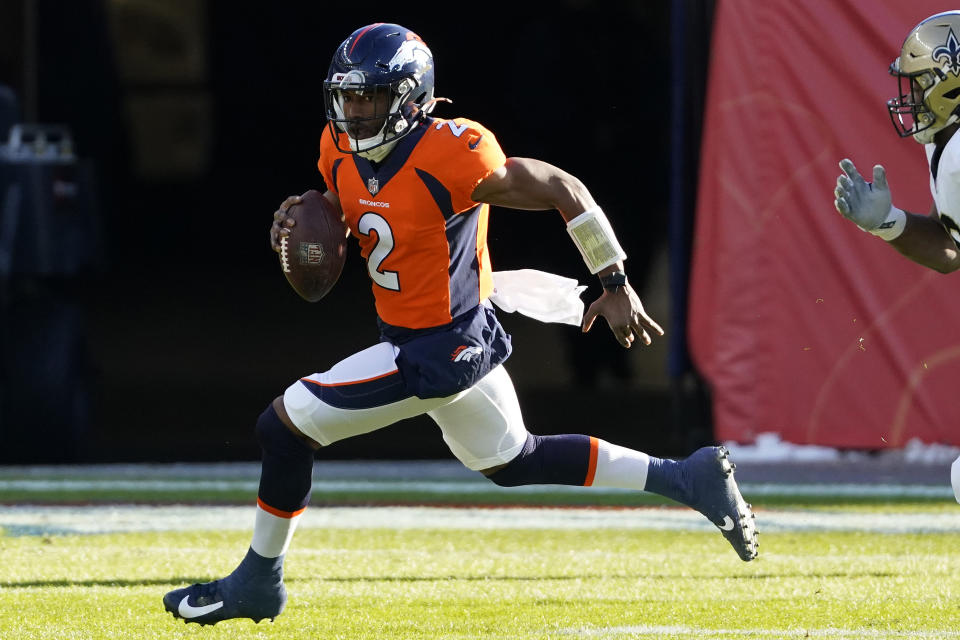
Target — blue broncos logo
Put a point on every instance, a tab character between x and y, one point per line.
950	54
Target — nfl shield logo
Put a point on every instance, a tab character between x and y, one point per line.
311	253
373	185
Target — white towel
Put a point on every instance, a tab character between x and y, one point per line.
542	296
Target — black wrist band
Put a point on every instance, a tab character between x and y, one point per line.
613	280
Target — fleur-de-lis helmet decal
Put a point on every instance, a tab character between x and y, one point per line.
948	55
928	75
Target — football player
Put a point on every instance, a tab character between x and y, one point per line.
927	107
415	192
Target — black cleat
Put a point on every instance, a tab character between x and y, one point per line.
211	602
714	493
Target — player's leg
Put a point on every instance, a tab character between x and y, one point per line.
255	588
485	430
359	394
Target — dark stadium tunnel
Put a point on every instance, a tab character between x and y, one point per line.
179	318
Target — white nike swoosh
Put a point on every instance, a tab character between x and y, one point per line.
726	526
186	611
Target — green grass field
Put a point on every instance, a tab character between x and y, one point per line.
422	581
500	584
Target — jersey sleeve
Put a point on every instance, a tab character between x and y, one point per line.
471	154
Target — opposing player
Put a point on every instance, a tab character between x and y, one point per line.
414	191
927	107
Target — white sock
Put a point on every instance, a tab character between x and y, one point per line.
273	530
618	466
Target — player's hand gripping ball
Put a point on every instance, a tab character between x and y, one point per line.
313	253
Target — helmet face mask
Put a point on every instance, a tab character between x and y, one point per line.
928	77
909	112
390	69
383	122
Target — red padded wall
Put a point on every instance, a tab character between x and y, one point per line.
803	324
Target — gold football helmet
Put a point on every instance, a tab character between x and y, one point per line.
928	74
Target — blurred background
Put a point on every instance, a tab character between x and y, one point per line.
161	325
143	316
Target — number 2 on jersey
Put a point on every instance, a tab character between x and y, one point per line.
455	129
370	221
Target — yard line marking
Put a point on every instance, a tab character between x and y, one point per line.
454	487
848	490
38	520
700	632
72	485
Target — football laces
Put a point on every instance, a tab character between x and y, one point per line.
284	259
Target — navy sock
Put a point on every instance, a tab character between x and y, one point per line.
562	459
286	473
255	566
666	478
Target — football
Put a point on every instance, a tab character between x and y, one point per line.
312	255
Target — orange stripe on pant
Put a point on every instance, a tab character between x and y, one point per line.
349	382
592	468
277	512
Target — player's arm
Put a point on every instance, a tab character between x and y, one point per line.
920	238
282	223
926	241
524	183
534	185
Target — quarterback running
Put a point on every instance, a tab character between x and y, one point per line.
415	192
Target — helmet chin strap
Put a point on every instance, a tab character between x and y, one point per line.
927	135
377	154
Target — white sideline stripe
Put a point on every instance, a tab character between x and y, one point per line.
848	490
466	487
56	520
699	632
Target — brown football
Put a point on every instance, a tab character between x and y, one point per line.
312	256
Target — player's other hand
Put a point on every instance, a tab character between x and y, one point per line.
625	315
865	203
281	222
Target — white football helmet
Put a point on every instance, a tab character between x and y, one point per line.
928	74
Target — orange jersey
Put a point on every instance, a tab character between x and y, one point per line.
423	237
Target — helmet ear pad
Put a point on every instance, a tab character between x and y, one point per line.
944	100
940	107
410	110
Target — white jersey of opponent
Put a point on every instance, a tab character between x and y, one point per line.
946	195
946	186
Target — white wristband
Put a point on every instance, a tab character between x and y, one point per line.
593	235
893	226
